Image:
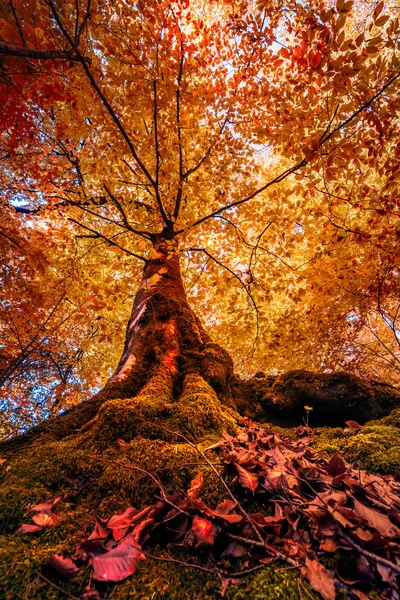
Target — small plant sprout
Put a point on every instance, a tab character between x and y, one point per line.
308	409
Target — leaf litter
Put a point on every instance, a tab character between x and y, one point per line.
309	508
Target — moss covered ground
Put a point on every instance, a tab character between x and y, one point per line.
101	469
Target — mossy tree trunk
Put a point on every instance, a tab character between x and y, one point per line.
164	334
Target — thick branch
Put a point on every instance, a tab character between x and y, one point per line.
22	52
156	144
125	220
178	125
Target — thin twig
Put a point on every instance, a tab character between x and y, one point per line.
57	587
110	242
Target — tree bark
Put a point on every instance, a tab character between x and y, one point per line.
164	333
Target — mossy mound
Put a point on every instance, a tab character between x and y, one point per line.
103	468
95	479
376	446
334	397
88	467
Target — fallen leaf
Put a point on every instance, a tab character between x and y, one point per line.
29	529
120	523
100	530
195	486
118	563
247	479
320	579
377	520
354	425
44	520
90	594
64	566
204	531
46	505
235	550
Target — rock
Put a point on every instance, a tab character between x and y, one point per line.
334	398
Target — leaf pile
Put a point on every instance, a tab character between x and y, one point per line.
308	509
320	507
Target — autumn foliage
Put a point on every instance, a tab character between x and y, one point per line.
229	169
267	139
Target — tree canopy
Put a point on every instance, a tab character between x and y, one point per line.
262	139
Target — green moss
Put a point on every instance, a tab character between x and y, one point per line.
392	418
168	581
21	563
153	412
83	468
376	446
14	500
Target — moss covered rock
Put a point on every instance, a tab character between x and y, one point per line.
334	397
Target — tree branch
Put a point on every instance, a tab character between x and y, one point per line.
23	52
156	143
231	272
178	125
21	34
110	242
304	161
10	239
128	226
101	95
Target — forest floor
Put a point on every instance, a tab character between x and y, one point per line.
201	506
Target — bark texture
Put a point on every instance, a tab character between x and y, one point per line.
164	333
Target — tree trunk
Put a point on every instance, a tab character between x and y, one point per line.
164	334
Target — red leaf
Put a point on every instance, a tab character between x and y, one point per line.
320	579
247	479
195	486
377	520
90	594
120	523
353	425
100	530
315	59
29	529
64	566
337	466
138	530
46	505
119	563
89	547
204	531
235	550
224	508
